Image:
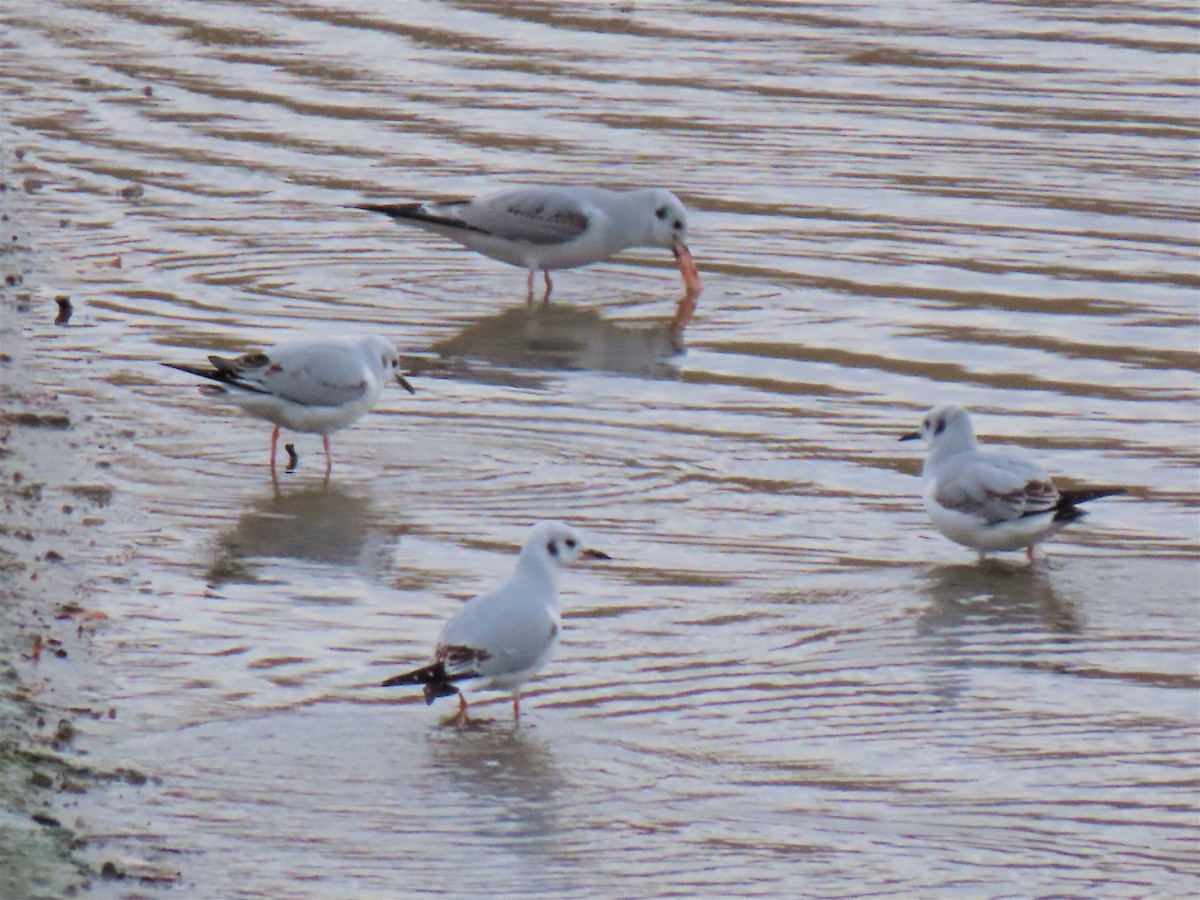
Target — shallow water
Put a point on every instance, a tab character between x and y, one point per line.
786	683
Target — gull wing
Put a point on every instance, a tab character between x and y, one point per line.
310	373
536	215
994	488
495	633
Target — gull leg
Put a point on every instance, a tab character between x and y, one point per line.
529	285
328	457
460	717
549	285
516	707
274	444
1029	553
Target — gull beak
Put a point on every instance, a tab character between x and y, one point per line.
911	436
589	553
403	382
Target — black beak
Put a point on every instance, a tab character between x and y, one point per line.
911	436
403	382
595	554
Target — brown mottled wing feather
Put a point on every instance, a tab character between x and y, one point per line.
460	661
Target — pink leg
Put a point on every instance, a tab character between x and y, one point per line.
274	444
516	707
328	458
549	285
529	286
462	704
1029	553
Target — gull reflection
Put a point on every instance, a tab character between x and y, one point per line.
550	336
320	524
996	596
989	615
508	778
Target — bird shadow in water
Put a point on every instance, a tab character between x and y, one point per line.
987	615
327	525
507	768
557	337
995	595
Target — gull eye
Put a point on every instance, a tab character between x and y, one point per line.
552	548
941	426
661	212
570	542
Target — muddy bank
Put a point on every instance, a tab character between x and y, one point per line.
54	499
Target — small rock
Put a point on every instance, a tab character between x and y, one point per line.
132	191
41	780
64	733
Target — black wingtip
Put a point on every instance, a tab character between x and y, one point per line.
1067	509
394	210
397	680
199	371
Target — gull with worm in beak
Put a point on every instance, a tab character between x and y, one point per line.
990	501
316	386
504	637
560	227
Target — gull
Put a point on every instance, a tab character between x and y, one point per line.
560	227
990	501
506	636
315	386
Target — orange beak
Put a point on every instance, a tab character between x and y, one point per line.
687	268
691	287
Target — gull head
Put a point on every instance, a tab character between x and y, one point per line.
946	429
553	545
381	354
667	223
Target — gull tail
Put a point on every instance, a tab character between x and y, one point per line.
224	371
418	213
1067	509
433	676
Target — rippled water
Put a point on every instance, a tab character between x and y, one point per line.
786	683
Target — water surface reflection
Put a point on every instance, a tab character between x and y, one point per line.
331	525
557	336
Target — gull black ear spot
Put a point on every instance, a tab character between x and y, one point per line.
661	213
